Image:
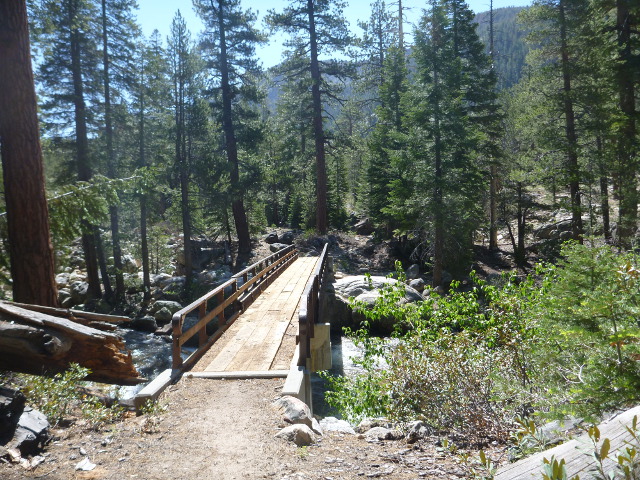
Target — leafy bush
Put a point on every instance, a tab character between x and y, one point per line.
462	365
57	397
561	342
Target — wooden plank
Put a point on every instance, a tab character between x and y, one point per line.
152	391
239	375
220	363
577	453
294	294
264	353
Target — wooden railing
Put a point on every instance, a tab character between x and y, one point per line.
310	308
231	298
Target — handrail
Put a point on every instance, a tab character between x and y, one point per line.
243	288
310	308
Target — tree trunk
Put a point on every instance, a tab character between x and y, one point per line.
30	249
519	252
102	265
604	191
438	249
111	169
627	135
573	169
318	129
493	169
144	240
237	205
82	152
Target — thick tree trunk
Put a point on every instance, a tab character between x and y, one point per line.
38	343
111	168
30	249
318	128
573	168
237	205
627	136
82	153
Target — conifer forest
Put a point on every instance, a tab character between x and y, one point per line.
509	137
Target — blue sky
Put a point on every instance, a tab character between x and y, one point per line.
157	14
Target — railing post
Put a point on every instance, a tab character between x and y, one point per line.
234	289
221	317
176	351
202	334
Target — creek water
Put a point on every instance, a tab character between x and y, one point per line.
152	354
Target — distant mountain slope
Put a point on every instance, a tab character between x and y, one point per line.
510	49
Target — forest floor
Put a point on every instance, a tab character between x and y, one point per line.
217	429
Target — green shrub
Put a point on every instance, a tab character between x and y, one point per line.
59	396
55	397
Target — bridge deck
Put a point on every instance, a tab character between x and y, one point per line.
263	337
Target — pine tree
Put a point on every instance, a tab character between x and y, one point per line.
324	31
151	92
229	43
71	91
118	33
180	55
386	143
454	111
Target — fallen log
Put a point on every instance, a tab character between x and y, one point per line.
39	343
72	314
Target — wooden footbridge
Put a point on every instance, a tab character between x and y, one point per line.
261	323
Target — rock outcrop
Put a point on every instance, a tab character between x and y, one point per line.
337	309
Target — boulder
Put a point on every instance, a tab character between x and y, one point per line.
174	284
294	411
163	316
79	292
364	227
369	423
32	432
22	428
161	280
338	311
332	424
376	434
287	237
418	430
64	298
554	231
275	247
173	307
62	280
11	407
417	284
413	271
145	324
271	238
129	264
301	435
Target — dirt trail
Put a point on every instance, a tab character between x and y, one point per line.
224	430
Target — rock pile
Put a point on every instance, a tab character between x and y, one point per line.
23	430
